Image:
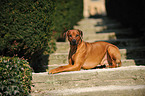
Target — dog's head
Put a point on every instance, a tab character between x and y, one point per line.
74	36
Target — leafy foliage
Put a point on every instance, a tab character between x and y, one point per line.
29	28
67	14
15	76
25	27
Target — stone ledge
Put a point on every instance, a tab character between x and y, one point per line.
96	70
96	89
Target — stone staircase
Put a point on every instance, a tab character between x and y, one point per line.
128	80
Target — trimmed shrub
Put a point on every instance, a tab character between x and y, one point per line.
15	77
25	28
29	28
67	14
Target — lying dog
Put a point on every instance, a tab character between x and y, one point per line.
89	55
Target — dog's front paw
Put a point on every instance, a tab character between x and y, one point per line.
53	71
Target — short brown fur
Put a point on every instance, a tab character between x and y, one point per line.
88	55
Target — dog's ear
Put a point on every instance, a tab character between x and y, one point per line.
65	34
81	33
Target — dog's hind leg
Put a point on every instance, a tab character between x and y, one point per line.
113	56
105	60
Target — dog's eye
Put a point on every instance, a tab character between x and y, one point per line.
70	35
77	35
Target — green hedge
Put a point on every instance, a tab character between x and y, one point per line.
67	14
25	27
15	77
28	28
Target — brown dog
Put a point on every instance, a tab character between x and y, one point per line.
88	55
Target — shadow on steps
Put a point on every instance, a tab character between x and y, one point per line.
125	39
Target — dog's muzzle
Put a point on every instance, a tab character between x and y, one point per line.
74	42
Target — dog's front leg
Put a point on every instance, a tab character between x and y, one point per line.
78	60
69	67
75	67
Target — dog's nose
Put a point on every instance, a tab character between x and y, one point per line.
74	41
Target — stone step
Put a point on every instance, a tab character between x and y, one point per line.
126	43
117	31
125	62
111	90
111	25
134	52
99	22
122	43
55	84
107	20
96	25
127	80
90	21
63	47
129	53
58	58
99	36
102	29
107	35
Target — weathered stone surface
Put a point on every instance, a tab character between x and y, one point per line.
122	76
128	80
